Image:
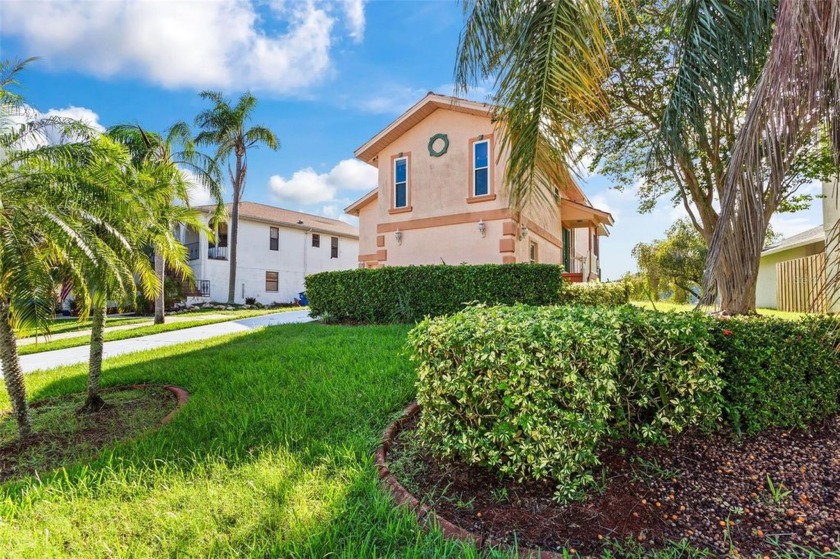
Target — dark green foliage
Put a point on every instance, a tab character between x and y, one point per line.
778	373
533	392
609	294
406	294
394	294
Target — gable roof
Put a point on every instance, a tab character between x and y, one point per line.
288	218
423	108
355	207
815	235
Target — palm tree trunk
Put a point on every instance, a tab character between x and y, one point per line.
94	401
160	271
234	233
13	375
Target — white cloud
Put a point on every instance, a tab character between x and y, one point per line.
53	134
208	43
355	12
307	186
82	114
198	195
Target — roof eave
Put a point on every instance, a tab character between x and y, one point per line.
783	248
355	207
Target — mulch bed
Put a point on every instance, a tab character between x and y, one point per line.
96	429
711	490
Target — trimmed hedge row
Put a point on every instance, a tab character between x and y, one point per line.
595	293
778	373
406	294
533	392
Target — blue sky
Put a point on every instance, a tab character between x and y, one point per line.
329	75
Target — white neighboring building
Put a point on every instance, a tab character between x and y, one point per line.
276	249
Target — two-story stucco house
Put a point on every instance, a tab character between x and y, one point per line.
440	199
276	249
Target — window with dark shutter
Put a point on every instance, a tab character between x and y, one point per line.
334	247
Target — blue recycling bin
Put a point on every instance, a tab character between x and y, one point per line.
303	300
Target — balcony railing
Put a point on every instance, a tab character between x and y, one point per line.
217	253
192	251
200	288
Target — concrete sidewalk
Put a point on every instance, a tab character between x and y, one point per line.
75	355
115	328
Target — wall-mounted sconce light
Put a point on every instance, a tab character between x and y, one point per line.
524	232
398	235
482	228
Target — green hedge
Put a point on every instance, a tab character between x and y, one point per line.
778	373
532	392
409	293
595	293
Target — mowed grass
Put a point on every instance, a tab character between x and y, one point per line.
271	456
667	306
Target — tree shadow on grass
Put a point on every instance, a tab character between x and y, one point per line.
278	431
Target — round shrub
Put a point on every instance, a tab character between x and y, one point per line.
532	392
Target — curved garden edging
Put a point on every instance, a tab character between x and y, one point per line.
182	396
426	516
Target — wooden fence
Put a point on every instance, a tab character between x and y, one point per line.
800	284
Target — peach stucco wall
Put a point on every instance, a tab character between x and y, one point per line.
442	223
453	244
367	229
437	185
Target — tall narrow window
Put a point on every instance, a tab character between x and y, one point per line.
534	253
401	182
334	247
272	281
273	238
316	240
481	168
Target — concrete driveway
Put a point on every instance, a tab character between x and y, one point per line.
81	354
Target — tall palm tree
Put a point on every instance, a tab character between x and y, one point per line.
51	211
172	153
225	126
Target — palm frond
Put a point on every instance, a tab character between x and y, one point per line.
549	61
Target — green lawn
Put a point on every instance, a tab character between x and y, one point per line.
270	458
64	343
676	307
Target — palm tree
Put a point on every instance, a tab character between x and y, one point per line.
173	153
149	190
549	61
51	211
225	126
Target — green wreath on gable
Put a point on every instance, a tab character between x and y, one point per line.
438	152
